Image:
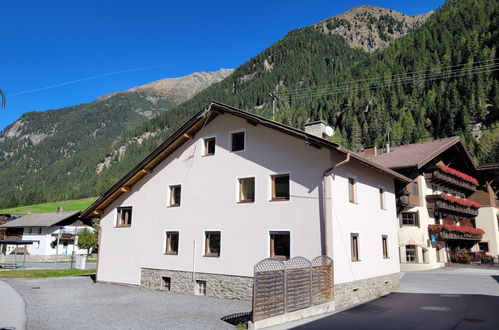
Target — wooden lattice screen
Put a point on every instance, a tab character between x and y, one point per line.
283	287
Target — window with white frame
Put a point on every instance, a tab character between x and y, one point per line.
124	216
246	190
280	187
212	244
237	141
172	242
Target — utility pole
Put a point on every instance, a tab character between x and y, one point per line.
274	99
2	95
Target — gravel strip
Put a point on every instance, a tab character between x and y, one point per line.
79	303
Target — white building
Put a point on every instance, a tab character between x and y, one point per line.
229	189
47	229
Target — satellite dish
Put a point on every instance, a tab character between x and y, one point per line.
329	131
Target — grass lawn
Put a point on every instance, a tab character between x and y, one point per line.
72	205
39	273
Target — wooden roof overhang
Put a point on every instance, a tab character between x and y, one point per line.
188	131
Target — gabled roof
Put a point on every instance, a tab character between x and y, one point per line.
417	154
41	219
195	124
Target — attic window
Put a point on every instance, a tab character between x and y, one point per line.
209	146
237	141
124	218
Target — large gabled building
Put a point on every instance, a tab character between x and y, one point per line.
229	189
450	205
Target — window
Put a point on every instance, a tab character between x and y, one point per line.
201	288
410	253
415	190
410	218
237	141
352	190
175	192
384	242
167	281
124	216
280	187
247	190
39	230
382	203
209	147
483	246
212	244
171	242
280	245
355	247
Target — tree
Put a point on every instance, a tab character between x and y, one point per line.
87	240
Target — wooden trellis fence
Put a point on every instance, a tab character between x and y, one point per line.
283	287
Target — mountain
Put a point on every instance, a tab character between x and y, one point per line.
370	27
43	154
179	89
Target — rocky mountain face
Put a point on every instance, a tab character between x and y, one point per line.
178	89
370	27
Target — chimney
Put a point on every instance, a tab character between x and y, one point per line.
317	128
371	151
60	209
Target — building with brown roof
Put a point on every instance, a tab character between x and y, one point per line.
451	204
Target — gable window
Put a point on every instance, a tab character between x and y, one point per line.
175	193
280	245
382	202
384	242
171	242
124	216
410	253
280	187
212	244
352	190
410	219
247	190
237	141
209	146
355	246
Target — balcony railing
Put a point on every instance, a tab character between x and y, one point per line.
452	232
447	180
438	203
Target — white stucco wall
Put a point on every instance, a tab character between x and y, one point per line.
44	248
487	220
209	203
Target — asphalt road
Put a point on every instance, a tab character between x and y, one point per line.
458	299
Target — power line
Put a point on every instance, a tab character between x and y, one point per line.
382	82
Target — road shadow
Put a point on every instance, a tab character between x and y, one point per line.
416	311
238	318
495	277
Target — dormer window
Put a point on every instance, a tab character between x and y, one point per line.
237	141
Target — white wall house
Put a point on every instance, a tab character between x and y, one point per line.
447	189
46	229
230	189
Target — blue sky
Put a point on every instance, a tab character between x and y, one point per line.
61	53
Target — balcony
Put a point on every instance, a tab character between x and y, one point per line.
452	232
452	205
451	178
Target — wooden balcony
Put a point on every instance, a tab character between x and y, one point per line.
449	235
452	232
447	180
438	204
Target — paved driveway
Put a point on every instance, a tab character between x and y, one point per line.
78	303
453	298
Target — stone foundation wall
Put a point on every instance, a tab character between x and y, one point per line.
217	285
350	293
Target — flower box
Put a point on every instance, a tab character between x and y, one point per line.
456	173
